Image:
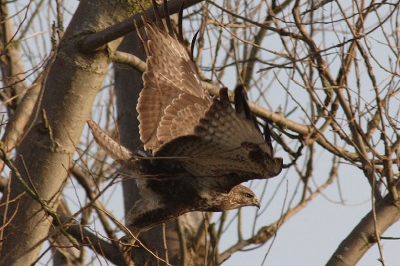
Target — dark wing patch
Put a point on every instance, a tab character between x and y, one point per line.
226	146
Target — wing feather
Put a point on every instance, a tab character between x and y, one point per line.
170	73
181	117
225	145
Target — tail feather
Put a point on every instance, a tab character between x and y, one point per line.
112	148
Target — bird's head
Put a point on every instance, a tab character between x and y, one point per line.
241	196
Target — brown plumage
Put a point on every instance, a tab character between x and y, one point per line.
201	148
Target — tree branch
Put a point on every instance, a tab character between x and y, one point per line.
99	39
363	236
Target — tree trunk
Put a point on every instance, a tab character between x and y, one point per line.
363	236
45	155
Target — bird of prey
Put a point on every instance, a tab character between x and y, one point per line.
198	149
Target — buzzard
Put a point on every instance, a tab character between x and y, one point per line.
197	149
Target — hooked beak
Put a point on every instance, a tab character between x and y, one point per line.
256	203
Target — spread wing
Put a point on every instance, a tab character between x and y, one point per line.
227	146
187	130
172	100
202	148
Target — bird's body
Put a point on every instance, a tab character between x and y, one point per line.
168	192
200	149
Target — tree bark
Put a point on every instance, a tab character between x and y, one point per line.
363	236
12	68
45	155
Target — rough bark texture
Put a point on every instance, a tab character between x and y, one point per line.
363	236
45	155
11	65
12	72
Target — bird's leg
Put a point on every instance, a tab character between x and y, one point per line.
127	242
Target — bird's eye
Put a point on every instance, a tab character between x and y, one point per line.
248	195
